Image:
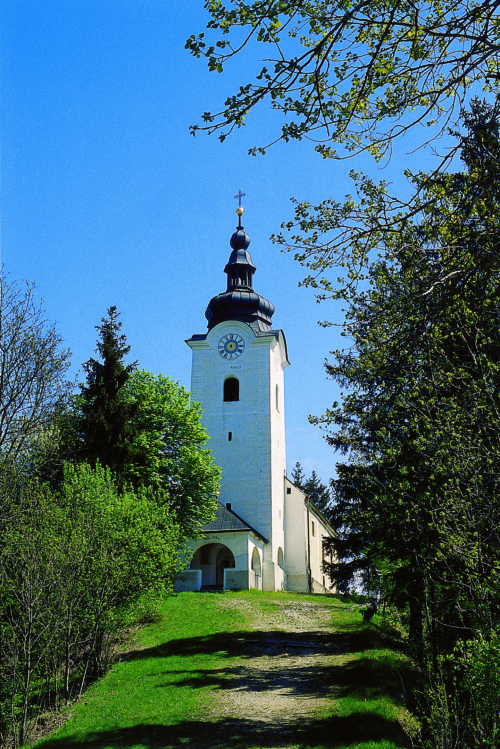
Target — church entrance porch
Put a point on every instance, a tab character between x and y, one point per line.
213	559
224	561
229	557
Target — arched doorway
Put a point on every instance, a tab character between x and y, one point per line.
257	568
225	560
212	559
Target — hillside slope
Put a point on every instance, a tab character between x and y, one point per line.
247	670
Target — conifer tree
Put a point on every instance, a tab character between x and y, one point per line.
418	494
298	475
317	492
106	422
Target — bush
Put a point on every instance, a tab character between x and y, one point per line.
74	567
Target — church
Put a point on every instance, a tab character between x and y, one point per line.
266	534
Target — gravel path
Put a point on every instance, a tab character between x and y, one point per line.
278	691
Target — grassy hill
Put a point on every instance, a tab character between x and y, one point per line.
248	669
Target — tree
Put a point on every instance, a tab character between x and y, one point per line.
29	565
170	450
106	412
317	492
298	475
145	428
351	77
76	566
352	74
417	497
33	367
122	544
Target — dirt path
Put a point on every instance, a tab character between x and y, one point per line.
283	684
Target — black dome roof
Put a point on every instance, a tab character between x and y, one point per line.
240	301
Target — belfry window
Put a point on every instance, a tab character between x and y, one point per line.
231	389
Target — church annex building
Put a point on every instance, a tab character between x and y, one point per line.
266	533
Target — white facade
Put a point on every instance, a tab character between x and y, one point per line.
247	435
266	534
208	568
305	529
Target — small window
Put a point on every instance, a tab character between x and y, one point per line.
229	436
277	398
231	389
312	527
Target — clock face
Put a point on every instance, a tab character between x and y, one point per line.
231	346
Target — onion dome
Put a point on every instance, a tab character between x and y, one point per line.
240	301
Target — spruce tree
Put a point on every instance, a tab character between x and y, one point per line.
317	492
298	475
107	425
417	496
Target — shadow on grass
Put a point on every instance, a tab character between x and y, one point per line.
249	644
241	734
364	679
282	666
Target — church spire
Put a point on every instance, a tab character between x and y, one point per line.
240	301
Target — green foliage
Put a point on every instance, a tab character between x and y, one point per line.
355	75
462	696
130	537
417	497
74	568
145	428
106	413
170	443
29	568
481	685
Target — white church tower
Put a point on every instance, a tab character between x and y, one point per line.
237	376
266	533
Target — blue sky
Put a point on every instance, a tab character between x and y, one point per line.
108	200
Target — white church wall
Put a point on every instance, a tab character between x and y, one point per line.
318	530
305	530
277	364
279	578
256	564
237	580
188	580
239	430
247	436
295	539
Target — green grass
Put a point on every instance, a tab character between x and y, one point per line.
162	694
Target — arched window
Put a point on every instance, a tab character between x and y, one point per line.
256	566
231	389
